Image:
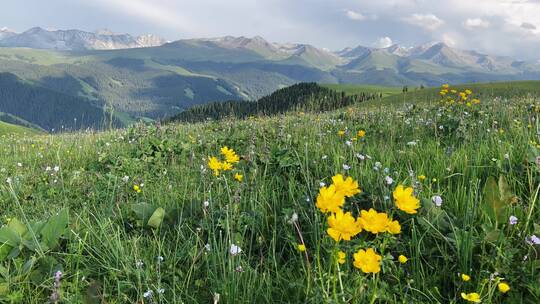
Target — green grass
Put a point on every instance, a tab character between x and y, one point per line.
7	128
353	89
112	251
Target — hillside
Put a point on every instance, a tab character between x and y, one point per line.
309	97
7	129
391	204
50	110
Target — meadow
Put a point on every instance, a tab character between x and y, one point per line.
392	201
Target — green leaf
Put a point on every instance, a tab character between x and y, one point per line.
493	236
54	229
17	226
143	211
9	236
4	289
493	205
156	218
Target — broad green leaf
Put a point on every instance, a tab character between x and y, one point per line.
54	229
9	236
493	205
143	211
156	218
17	226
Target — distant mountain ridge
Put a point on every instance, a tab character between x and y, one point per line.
76	40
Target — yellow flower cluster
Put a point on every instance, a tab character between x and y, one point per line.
344	226
461	97
230	157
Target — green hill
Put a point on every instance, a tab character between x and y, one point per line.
7	128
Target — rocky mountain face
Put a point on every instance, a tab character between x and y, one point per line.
76	40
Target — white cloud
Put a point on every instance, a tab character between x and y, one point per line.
528	26
355	15
383	42
426	21
475	23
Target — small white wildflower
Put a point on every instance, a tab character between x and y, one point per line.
139	264
506	156
322	184
206	204
389	180
9	180
19	164
346	167
148	294
207	247
513	220
239	269
360	156
324	157
294	218
348	143
125	179
437	200
235	250
161	290
56	168
160	259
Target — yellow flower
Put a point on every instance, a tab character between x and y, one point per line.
465	278
239	177
301	247
476	101
230	155
343	226
367	260
347	187
503	287
393	227
341	133
402	259
445	86
361	133
471	297
405	200
373	221
468	104
341	256
329	200
137	188
468	92
421	177
215	165
454	91
225	166
443	92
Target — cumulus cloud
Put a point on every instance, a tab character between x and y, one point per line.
355	15
426	21
528	26
475	23
383	42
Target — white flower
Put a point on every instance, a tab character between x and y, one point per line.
411	143
56	168
532	240
139	263
125	179
206	204
322	184
160	259
161	290
506	156
148	294
9	180
360	156
207	247
389	180
346	167
348	143
19	164
294	218
239	269
235	250
512	220
437	200
324	157
48	169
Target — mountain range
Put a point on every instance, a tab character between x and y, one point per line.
147	77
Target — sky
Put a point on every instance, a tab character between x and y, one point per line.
500	27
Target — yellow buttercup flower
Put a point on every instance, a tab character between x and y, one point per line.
341	257
346	187
239	177
373	221
402	259
361	133
225	166
405	200
421	177
393	227
503	287
230	155
215	165
445	86
465	278
301	247
329	200
341	133
137	188
367	260
343	226
471	297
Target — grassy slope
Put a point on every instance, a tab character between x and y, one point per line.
284	160
7	128
352	89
